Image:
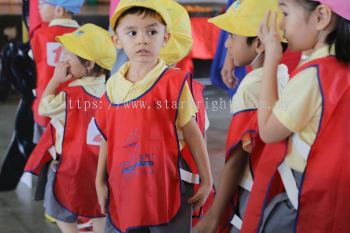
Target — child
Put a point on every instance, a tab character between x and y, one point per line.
315	121
57	20
244	146
145	104
88	54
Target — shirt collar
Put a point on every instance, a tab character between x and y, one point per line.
324	51
65	23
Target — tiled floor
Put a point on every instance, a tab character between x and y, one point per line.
19	213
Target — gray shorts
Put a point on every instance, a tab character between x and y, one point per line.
38	132
242	205
279	216
182	223
51	205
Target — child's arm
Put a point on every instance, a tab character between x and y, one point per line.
230	178
195	141
53	105
101	177
271	130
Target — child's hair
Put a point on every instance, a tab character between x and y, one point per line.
251	39
340	36
97	70
140	11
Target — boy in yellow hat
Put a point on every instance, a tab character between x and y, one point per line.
70	100
146	103
243	146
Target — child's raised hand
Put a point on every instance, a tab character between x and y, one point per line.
61	74
200	196
270	37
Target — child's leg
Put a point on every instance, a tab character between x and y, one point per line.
67	227
98	224
66	221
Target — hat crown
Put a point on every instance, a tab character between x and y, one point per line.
69	5
91	43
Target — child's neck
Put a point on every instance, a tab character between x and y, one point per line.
138	71
259	63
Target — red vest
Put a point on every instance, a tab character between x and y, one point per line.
75	177
143	160
324	204
41	155
47	52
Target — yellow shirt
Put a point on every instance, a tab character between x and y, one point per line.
247	95
120	90
302	107
54	106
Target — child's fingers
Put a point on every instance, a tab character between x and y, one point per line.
103	206
194	199
267	21
274	22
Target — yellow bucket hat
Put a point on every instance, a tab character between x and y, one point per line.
91	43
178	25
243	17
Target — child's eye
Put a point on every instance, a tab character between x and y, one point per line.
152	32
132	33
285	14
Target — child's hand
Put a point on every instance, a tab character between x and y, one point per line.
102	195
269	36
227	72
200	196
61	74
208	224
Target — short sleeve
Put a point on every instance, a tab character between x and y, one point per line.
300	102
186	107
53	106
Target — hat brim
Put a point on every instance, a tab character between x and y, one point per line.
232	24
73	44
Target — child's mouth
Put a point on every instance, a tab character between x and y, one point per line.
143	52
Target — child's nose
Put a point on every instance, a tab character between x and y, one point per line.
143	38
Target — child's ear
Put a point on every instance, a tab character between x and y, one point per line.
116	41
59	11
259	46
324	17
90	65
166	38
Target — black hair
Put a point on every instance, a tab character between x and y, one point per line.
340	36
97	70
139	11
251	39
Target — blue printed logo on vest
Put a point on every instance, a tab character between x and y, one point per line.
135	162
146	160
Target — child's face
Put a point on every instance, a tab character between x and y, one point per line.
298	26
238	49
76	68
47	11
141	37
